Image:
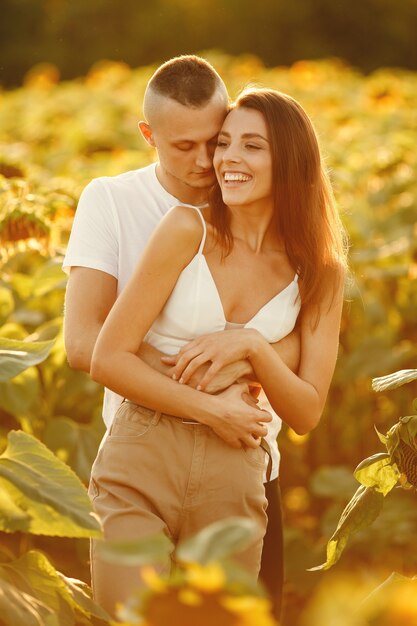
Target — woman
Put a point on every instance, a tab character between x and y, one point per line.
269	245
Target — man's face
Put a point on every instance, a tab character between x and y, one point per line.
185	138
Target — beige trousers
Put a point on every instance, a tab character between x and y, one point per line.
157	473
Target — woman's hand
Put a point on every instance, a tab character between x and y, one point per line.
219	349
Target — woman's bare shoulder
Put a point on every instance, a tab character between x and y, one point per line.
184	220
179	232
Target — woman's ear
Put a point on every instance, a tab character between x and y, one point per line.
146	131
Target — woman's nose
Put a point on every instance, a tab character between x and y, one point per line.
231	155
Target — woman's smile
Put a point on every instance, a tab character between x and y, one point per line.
243	160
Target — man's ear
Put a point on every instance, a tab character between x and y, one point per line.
146	131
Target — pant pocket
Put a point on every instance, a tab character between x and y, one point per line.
131	422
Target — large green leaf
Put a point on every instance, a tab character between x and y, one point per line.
361	511
44	489
20	396
378	471
15	516
18	608
80	593
75	444
69	599
384	383
16	356
217	541
153	549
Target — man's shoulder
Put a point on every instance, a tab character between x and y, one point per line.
142	176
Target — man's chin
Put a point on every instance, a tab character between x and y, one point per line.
205	182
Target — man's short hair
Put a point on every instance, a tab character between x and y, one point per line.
187	79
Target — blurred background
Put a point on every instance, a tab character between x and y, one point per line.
73	77
75	34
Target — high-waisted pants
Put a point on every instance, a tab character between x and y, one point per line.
156	473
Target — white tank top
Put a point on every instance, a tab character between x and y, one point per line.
194	308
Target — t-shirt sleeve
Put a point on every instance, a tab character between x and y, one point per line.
93	241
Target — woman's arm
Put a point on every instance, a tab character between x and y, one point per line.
298	398
116	365
288	349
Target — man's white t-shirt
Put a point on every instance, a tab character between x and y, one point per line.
113	222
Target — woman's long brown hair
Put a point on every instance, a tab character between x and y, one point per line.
305	216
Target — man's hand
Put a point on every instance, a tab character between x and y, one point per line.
241	424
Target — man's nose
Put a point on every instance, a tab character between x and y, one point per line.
204	157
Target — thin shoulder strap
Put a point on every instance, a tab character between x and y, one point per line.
203	221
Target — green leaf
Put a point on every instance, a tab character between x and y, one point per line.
20	396
392	439
75	444
81	596
36	480
384	383
9	510
11	330
408	430
34	575
378	471
6	304
382	438
17	607
361	511
16	356
22	285
217	541
49	276
153	549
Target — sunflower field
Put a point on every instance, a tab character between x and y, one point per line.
54	138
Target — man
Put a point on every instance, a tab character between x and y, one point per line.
185	105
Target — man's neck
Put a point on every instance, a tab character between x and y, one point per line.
182	192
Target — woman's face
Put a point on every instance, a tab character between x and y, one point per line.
243	160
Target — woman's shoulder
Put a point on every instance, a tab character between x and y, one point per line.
184	217
182	226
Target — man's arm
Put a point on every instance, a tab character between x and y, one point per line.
89	297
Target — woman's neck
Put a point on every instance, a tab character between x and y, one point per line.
254	228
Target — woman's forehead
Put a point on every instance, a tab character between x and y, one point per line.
243	120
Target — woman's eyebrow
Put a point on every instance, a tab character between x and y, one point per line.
252	135
245	135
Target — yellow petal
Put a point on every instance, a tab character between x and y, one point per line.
190	597
209	578
152	579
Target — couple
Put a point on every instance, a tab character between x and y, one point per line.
238	242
